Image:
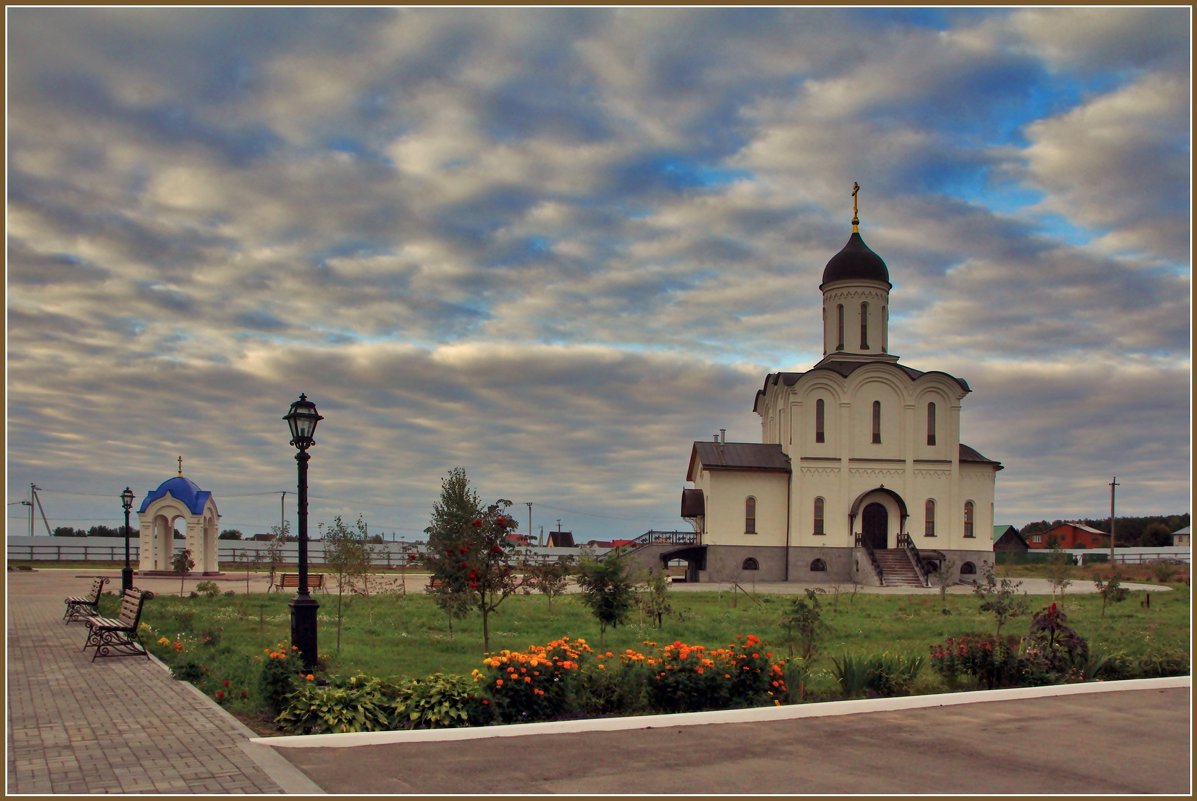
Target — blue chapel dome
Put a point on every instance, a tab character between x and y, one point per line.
182	489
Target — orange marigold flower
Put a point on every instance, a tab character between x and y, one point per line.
498	682
310	677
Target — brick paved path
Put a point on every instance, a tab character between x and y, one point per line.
115	725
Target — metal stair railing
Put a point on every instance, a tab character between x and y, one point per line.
912	550
860	543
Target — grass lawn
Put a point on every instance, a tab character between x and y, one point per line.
395	635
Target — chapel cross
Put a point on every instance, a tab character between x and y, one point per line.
180	465
855	210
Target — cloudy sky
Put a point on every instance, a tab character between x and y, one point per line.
556	246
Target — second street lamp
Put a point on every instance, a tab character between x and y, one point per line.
302	418
127	571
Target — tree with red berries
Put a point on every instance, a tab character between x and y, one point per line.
470	554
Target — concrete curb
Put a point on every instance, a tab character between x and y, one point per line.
757	715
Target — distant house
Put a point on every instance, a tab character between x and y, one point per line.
1181	536
561	539
1069	535
1007	538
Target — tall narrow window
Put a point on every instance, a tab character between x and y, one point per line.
819	505
864	326
819	435
968	518
930	423
876	421
929	518
750	515
839	327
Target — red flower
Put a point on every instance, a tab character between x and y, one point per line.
220	695
226	682
463	549
477	523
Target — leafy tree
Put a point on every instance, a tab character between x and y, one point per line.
231	534
607	588
345	553
182	563
469	552
67	531
1000	598
1112	591
103	531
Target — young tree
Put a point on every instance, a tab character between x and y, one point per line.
550	577
231	534
273	554
804	623
1111	591
1059	572
655	601
469	551
607	588
346	556
1000	598
943	579
182	564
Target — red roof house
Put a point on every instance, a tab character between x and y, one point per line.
1069	535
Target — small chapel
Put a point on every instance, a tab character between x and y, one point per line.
178	499
860	475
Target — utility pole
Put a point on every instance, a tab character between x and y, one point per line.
36	501
282	512
1113	484
530	520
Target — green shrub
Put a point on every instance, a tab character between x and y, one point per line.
1158	663
796	674
989	661
436	702
189	669
851	673
208	589
279	678
349	705
892	675
619	687
533	685
1052	651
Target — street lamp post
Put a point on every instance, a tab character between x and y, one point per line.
302	418
127	570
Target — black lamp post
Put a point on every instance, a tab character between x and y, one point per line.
127	570
302	418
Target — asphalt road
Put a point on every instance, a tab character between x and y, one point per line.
1128	742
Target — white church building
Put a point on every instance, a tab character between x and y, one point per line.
860	474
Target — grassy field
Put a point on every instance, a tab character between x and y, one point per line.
408	636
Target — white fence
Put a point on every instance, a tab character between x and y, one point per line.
228	552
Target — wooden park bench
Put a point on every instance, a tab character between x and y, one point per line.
117	636
81	606
291	580
434	584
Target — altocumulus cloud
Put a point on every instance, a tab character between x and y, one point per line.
554	246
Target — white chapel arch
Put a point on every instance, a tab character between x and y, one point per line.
178	498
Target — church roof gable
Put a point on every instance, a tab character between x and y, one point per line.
739	456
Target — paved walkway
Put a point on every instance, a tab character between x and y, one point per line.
115	725
125	726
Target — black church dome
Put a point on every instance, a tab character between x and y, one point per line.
856	262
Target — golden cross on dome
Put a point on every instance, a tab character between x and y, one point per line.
855	210
180	465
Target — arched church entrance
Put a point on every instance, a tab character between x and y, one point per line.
178	502
874	523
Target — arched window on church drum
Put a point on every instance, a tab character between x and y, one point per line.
969	509
750	515
930	423
820	507
876	421
839	326
819	418
929	518
864	326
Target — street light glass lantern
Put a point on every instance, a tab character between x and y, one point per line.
127	499
302	418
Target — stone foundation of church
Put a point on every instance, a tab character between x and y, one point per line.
839	565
